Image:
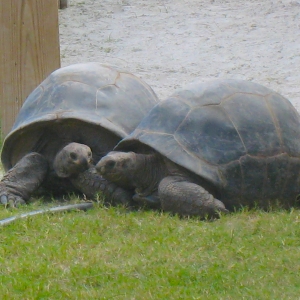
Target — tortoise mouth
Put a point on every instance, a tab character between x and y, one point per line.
106	166
72	171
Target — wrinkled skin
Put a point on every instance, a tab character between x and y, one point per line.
159	183
73	162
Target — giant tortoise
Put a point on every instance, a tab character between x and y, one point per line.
211	147
67	124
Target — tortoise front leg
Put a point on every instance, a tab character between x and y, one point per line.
23	179
90	183
182	197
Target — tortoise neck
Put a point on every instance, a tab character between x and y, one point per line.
151	169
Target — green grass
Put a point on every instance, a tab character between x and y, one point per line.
112	253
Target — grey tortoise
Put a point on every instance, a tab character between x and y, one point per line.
212	147
73	118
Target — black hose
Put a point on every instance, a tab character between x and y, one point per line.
80	206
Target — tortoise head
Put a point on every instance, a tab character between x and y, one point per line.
72	160
118	167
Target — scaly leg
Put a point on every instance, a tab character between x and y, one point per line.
23	179
182	197
90	183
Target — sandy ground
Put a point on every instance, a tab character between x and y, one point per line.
169	43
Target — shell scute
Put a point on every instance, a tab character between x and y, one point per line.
75	101
245	142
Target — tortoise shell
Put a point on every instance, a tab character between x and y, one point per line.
87	103
241	138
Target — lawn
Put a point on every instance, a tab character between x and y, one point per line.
113	253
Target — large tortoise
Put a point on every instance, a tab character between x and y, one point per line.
67	124
212	146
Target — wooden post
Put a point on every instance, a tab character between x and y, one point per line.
29	51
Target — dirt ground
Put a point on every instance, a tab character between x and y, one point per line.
169	43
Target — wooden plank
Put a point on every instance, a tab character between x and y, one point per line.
29	51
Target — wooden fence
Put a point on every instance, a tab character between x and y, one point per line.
29	51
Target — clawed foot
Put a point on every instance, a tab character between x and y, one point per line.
9	200
23	179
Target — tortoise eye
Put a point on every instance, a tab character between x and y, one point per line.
110	164
73	155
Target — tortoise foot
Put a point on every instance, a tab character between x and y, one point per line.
23	179
8	199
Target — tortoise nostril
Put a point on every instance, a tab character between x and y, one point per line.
73	155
